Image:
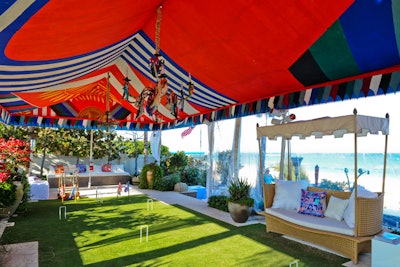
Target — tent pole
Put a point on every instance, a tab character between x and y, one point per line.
384	164
261	168
282	163
355	174
355	154
236	148
90	159
289	174
210	179
385	158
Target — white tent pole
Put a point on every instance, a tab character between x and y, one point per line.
355	186
236	148
385	159
90	159
282	162
210	179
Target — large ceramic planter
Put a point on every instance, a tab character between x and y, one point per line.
8	211
239	213
149	177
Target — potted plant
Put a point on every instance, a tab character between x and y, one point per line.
240	203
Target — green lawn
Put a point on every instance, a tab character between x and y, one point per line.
107	234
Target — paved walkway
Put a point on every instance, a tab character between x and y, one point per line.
26	254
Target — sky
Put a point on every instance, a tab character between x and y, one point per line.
376	106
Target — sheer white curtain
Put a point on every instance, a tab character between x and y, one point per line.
234	153
250	156
220	145
155	145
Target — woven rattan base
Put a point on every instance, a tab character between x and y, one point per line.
347	246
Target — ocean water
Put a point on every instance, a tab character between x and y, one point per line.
331	167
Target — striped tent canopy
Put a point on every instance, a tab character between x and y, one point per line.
78	64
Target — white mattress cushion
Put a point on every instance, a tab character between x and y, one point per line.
97	174
318	223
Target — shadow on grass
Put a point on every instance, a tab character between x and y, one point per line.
107	234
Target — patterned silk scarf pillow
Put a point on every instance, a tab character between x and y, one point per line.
312	203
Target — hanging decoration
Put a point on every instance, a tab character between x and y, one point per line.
105	119
151	98
126	94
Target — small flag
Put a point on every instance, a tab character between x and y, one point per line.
119	190
126	189
187	131
72	196
62	192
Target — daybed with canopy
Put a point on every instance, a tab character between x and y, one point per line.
368	212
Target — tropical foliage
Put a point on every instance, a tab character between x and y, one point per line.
14	154
327	184
7	193
14	161
191	171
239	192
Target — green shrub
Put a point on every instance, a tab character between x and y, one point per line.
23	206
178	162
168	182
326	184
218	202
191	176
7	193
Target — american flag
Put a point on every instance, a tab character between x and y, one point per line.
187	131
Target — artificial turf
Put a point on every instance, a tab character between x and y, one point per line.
108	234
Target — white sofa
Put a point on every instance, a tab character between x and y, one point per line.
348	234
98	177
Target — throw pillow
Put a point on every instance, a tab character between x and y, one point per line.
349	213
117	168
81	168
312	203
106	167
336	208
288	194
59	168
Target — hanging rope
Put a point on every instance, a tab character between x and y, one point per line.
158	29
108	95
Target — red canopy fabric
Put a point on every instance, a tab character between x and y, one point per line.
243	58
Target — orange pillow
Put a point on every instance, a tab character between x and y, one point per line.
59	168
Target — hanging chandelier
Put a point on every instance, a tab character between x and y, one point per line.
150	98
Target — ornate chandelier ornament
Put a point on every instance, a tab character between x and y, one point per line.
150	98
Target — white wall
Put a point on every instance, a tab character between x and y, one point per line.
129	163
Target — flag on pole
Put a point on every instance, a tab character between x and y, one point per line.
126	189
119	190
187	131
